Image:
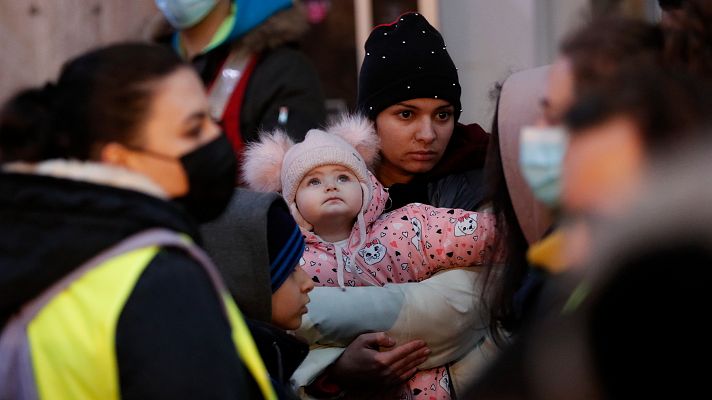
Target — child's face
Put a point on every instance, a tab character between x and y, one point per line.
289	302
329	193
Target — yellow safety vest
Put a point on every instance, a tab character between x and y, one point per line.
62	344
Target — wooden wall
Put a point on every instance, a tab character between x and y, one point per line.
37	36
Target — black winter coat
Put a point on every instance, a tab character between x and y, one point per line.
281	352
172	338
282	77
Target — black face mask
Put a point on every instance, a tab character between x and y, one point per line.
211	171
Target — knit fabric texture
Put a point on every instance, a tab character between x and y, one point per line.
406	59
285	244
319	148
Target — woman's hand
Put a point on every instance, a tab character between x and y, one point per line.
372	360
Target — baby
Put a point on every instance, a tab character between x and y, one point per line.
257	246
339	206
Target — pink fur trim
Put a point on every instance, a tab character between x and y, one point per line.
359	132
262	161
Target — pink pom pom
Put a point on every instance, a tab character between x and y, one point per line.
359	132
262	161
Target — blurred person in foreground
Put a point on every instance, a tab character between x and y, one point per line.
587	58
617	120
616	131
105	293
648	267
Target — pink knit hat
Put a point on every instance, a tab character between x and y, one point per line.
275	163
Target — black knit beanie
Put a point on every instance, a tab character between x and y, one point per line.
285	244
406	59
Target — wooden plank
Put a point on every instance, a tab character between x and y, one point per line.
38	36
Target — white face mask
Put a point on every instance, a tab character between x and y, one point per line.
541	153
183	14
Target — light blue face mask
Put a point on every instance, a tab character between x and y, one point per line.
183	14
541	153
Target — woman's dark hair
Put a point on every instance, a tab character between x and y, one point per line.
101	96
688	45
597	49
670	4
499	288
669	107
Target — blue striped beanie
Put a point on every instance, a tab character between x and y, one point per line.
285	244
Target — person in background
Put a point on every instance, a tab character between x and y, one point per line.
257	246
244	52
339	206
409	88
349	242
502	172
105	294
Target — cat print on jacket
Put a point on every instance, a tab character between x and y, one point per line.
405	245
465	224
373	252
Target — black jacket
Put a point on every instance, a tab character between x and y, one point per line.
172	338
281	352
282	77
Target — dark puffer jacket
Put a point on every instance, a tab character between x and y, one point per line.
282	77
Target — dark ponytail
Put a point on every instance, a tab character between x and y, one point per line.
499	288
26	123
101	96
688	46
